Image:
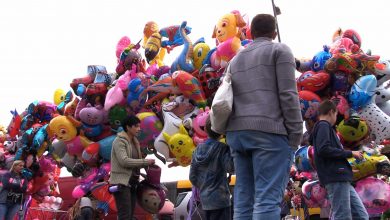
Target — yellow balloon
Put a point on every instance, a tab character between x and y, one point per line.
59	96
200	52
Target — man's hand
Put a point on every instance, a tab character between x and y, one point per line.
151	162
357	154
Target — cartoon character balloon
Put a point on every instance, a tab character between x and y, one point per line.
181	145
314	194
375	195
362	91
309	104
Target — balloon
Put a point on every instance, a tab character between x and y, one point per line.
375	195
201	49
128	57
341	62
209	80
184	60
64	128
105	146
304	159
190	87
14	126
134	98
78	192
154	53
314	194
226	31
341	104
313	81
309	102
362	91
351	131
173	35
121	45
163	87
319	60
58	96
171	126
151	127
100	192
353	35
377	121
370	165
382	71
181	145
92	118
199	126
339	83
382	93
114	96
116	115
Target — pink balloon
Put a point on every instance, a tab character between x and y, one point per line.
375	194
114	96
77	192
122	44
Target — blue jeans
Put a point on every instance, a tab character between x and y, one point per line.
262	162
345	202
8	211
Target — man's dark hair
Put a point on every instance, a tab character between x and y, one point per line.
212	134
263	25
325	107
130	121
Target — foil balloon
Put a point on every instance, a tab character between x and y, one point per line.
309	103
319	60
184	60
181	145
226	32
375	195
382	71
199	125
377	121
114	96
171	127
314	194
352	130
362	92
313	81
121	46
370	164
151	127
190	87
339	83
201	49
382	93
304	159
58	96
353	35
341	104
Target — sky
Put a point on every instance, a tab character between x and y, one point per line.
44	44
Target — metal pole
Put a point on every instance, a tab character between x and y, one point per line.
276	19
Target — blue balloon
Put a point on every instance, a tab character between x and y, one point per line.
362	92
106	146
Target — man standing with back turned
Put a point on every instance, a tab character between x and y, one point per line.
265	126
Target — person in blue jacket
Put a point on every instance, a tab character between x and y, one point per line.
211	161
333	169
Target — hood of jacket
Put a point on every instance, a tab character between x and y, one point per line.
207	151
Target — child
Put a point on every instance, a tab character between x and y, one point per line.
211	161
334	171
